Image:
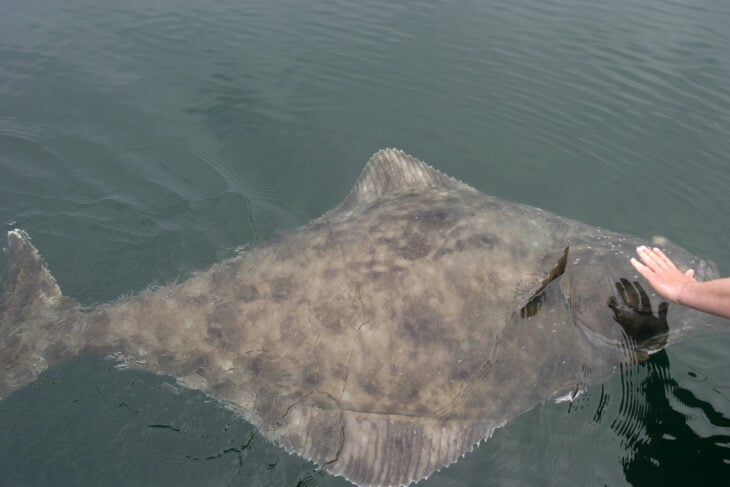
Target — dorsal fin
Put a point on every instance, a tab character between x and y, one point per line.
390	171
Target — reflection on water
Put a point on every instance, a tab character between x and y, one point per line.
144	140
77	425
670	451
143	429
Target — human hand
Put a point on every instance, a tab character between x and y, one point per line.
661	273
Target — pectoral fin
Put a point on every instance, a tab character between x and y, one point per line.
535	301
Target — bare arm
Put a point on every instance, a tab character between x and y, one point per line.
681	287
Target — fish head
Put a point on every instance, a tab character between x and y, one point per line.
617	309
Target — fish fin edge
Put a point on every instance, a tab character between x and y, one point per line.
391	171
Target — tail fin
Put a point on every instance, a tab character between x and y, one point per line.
32	312
29	284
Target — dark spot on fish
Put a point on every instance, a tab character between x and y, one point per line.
255	365
397	269
12	348
197	364
166	361
375	275
275	373
247	292
423	324
223	388
122	345
408	390
222	274
335	316
254	315
221	325
182	366
339	370
331	273
370	385
386	241
415	247
333	325
312	379
434	219
386	277
442	252
324	244
293	328
222	315
476	242
281	289
215	333
56	353
493	206
460	372
317	225
285	249
472	242
98	333
197	299
268	406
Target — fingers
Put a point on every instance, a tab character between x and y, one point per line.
654	261
663	259
643	270
650	261
654	258
649	258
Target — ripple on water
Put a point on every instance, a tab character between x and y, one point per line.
142	140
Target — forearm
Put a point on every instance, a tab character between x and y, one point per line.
710	296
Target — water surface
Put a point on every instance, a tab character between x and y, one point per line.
143	140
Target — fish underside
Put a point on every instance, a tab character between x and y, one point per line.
384	339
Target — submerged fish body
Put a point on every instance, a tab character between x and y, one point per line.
382	340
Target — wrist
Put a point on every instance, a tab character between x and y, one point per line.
684	296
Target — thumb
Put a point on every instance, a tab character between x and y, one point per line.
690	273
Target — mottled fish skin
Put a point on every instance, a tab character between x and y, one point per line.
384	339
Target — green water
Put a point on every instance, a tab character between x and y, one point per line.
140	141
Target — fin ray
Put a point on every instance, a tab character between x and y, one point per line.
390	171
31	298
29	284
379	449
